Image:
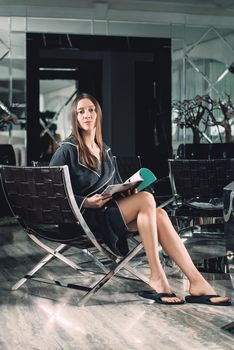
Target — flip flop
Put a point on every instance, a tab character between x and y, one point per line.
205	299
157	297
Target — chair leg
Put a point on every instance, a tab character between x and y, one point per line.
121	264
41	263
97	262
137	274
55	253
130	269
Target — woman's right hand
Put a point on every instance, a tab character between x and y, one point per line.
96	201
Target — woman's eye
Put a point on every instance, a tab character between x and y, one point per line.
91	110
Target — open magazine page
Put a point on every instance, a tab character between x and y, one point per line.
111	189
141	179
135	178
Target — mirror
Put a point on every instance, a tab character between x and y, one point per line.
201	62
12	94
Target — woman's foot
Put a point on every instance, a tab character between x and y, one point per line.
161	285
202	288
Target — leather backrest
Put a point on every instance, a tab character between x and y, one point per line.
38	195
201	178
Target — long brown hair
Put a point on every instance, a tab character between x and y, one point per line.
85	155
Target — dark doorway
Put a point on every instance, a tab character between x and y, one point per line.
153	113
130	76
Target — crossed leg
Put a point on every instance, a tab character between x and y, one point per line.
154	225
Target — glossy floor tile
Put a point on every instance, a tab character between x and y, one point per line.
39	316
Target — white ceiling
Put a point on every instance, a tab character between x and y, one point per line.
202	7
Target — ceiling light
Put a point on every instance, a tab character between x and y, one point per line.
59	69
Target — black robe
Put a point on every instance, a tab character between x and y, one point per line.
106	222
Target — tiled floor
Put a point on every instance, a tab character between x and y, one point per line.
43	317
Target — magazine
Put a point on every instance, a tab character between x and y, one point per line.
140	180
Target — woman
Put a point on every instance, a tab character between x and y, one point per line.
91	169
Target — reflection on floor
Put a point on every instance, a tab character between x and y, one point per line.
40	316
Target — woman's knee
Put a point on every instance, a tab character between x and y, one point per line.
161	213
147	199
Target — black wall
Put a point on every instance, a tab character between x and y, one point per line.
131	77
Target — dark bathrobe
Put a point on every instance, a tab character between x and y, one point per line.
106	222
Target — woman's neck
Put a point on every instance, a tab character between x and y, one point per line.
93	147
90	143
89	140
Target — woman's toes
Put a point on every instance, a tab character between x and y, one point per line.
220	299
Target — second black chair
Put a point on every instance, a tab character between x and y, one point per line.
197	188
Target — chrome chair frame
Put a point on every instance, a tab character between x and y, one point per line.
71	211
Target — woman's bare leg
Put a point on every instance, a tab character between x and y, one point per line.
155	227
175	248
141	207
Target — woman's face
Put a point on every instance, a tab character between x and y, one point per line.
86	114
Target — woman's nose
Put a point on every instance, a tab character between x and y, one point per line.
88	114
85	114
